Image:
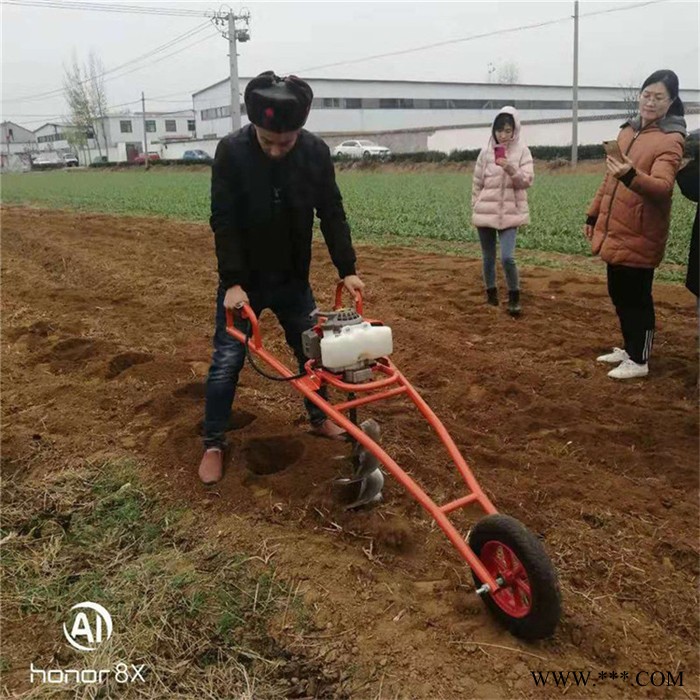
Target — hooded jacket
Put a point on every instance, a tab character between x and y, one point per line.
631	216
499	200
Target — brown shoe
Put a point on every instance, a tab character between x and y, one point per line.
329	429
211	468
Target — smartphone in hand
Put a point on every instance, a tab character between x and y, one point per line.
499	152
612	149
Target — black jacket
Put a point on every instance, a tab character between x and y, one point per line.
688	180
262	211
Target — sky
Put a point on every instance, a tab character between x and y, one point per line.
620	44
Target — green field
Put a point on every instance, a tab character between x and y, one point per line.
403	208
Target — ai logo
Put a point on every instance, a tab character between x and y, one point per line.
90	628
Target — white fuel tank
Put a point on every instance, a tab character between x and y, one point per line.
355	344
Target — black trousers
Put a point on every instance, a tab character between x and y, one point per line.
630	291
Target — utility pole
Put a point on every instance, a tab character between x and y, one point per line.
574	110
194	114
145	137
233	65
228	19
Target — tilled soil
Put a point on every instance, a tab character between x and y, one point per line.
106	342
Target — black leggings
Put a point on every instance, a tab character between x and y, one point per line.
630	291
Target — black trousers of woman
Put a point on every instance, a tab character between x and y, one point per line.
630	292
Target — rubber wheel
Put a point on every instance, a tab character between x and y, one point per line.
529	604
366	155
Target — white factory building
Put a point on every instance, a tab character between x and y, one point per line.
118	137
405	115
436	115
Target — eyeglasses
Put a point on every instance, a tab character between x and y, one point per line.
654	99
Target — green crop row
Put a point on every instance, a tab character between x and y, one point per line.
428	205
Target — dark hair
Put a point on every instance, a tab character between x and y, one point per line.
670	81
501	121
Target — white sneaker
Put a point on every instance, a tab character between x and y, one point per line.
614	357
629	369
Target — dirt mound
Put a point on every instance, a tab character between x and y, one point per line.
107	354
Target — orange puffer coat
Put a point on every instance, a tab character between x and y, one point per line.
632	220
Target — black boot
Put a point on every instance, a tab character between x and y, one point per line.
514	303
492	296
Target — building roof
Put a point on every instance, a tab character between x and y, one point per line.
436	82
48	124
8	122
480	125
124	115
21	136
174	113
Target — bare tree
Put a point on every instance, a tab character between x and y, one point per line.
76	94
630	99
98	95
82	100
508	73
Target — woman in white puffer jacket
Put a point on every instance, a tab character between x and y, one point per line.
503	172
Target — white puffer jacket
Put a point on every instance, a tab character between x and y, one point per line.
499	200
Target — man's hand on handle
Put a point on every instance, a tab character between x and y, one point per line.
235	298
353	284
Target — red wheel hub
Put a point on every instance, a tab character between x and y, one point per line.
514	596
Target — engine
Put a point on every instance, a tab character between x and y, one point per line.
345	342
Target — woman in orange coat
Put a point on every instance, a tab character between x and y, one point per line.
629	218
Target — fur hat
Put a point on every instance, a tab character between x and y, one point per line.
278	104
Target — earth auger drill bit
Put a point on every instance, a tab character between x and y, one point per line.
365	485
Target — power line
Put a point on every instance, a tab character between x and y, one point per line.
474	37
50	118
107	7
43	120
154	98
181	37
163	47
162	58
158	99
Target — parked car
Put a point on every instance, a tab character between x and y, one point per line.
141	157
70	160
196	155
361	149
42	159
100	159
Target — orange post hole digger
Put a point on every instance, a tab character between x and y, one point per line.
512	572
